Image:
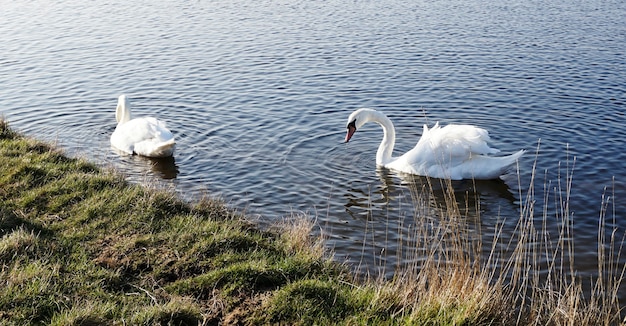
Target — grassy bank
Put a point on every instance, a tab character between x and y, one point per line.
80	246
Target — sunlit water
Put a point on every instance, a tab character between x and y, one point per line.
258	93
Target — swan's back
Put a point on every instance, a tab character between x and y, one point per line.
143	136
458	140
454	152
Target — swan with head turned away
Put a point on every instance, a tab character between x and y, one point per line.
142	136
452	152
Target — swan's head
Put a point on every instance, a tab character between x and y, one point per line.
357	119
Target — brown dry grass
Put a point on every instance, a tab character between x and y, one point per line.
532	281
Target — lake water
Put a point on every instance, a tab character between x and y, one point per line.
257	94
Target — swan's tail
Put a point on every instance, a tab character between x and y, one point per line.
162	149
508	161
488	167
167	148
516	155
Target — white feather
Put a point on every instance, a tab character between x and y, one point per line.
143	136
451	152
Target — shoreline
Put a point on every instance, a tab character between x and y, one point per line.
80	245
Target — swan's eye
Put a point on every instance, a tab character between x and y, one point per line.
352	125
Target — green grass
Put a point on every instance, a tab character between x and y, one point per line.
81	246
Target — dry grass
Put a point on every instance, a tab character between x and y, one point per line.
297	233
527	279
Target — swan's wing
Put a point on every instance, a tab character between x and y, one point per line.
459	140
452	144
464	138
127	135
141	129
455	152
159	130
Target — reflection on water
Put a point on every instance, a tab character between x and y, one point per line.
164	168
428	192
467	193
401	215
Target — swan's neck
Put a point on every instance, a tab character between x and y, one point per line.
122	112
385	149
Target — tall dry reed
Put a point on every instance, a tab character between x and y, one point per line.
524	277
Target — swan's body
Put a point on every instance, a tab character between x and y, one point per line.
452	152
143	136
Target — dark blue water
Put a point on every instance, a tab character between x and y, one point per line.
258	93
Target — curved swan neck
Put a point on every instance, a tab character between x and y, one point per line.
385	149
122	112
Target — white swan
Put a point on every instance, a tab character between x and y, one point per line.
452	152
143	136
